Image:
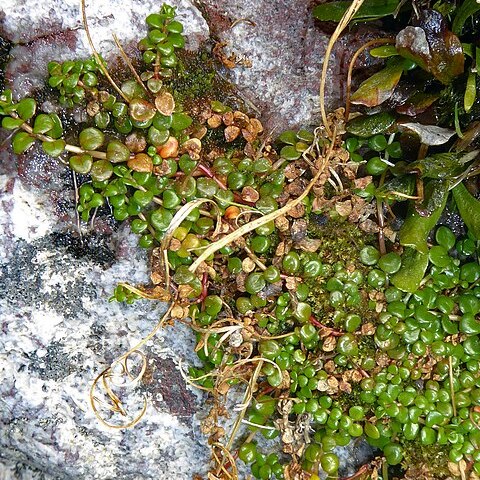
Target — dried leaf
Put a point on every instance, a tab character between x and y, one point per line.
432	46
429	134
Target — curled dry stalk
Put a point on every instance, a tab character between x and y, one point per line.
105	380
347	16
371	43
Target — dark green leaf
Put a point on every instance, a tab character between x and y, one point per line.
469	208
416	228
370	10
21	142
462	13
26	108
441	165
368	125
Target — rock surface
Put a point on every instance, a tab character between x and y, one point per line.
58	329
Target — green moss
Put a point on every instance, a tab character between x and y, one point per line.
425	462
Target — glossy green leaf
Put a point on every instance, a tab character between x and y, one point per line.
412	271
416	228
11	123
117	152
91	138
26	108
43	123
57	129
368	125
370	10
6	98
465	10
384	51
55	148
469	208
21	142
441	165
81	163
380	86
470	92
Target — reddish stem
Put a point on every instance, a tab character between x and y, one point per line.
203	295
204	169
317	324
363	469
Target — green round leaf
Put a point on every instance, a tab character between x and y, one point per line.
91	138
101	170
11	123
55	148
26	108
117	152
81	163
21	142
43	123
181	121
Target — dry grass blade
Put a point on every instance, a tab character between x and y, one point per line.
347	16
96	55
179	217
130	65
248	227
375	41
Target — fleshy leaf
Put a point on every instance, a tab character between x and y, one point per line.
21	142
55	148
380	86
442	165
412	271
43	123
417	103
432	46
368	125
11	123
26	108
416	228
469	208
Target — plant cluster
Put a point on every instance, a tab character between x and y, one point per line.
335	338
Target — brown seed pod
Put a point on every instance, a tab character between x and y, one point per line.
214	121
136	142
231	133
193	146
93	108
165	103
141	162
231	212
169	149
228	118
257	125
